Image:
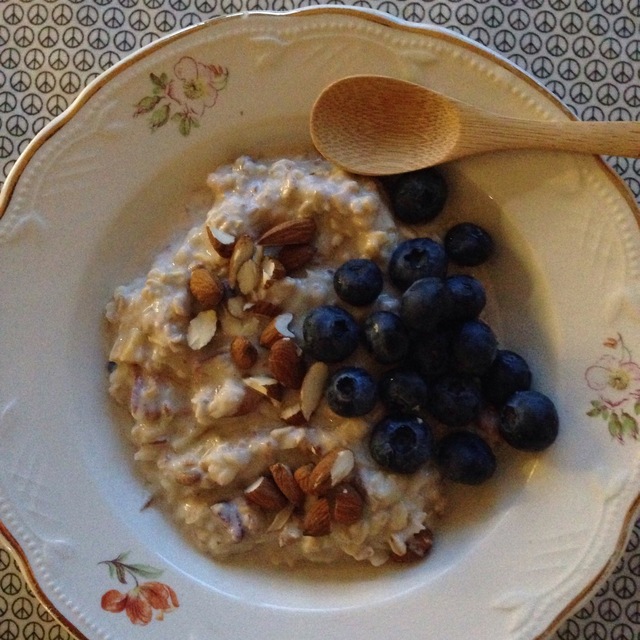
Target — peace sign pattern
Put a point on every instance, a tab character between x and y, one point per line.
586	51
22	616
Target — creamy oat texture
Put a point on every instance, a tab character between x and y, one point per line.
201	434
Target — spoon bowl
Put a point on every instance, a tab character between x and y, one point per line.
377	125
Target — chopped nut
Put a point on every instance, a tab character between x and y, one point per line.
331	470
317	519
188	477
312	388
346	504
235	306
272	270
243	352
265	494
206	287
281	518
263	308
301	476
293	415
286	364
299	231
295	256
202	329
277	329
221	241
283	477
418	547
266	386
242	251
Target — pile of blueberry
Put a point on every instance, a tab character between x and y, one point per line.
442	362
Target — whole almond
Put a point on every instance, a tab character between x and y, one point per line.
418	547
283	477
277	329
299	231
221	241
346	504
265	494
243	352
301	476
295	256
286	364
317	519
206	287
332	469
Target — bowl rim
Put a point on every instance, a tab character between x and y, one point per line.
373	15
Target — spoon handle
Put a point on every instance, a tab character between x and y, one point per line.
602	138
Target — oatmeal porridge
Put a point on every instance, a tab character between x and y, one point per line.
235	425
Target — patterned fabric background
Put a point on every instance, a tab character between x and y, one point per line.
586	51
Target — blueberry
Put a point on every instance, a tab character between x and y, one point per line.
529	421
455	400
468	297
351	392
468	244
416	258
431	353
401	444
403	391
425	304
463	456
508	373
358	281
474	347
386	337
329	333
417	196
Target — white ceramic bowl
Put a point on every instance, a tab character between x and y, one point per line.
101	189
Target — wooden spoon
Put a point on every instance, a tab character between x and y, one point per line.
375	125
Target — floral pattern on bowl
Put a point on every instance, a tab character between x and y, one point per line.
183	97
616	378
144	598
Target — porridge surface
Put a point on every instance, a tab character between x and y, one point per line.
205	429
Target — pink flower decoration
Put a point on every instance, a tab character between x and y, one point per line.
140	602
616	379
196	85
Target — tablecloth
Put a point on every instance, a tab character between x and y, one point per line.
587	52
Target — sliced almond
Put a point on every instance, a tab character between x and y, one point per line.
295	256
346	504
266	386
283	477
332	469
265	494
243	353
206	287
242	251
301	476
248	277
312	389
281	518
293	415
201	329
277	329
263	308
299	231
235	306
317	519
286	364
417	547
221	241
272	271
